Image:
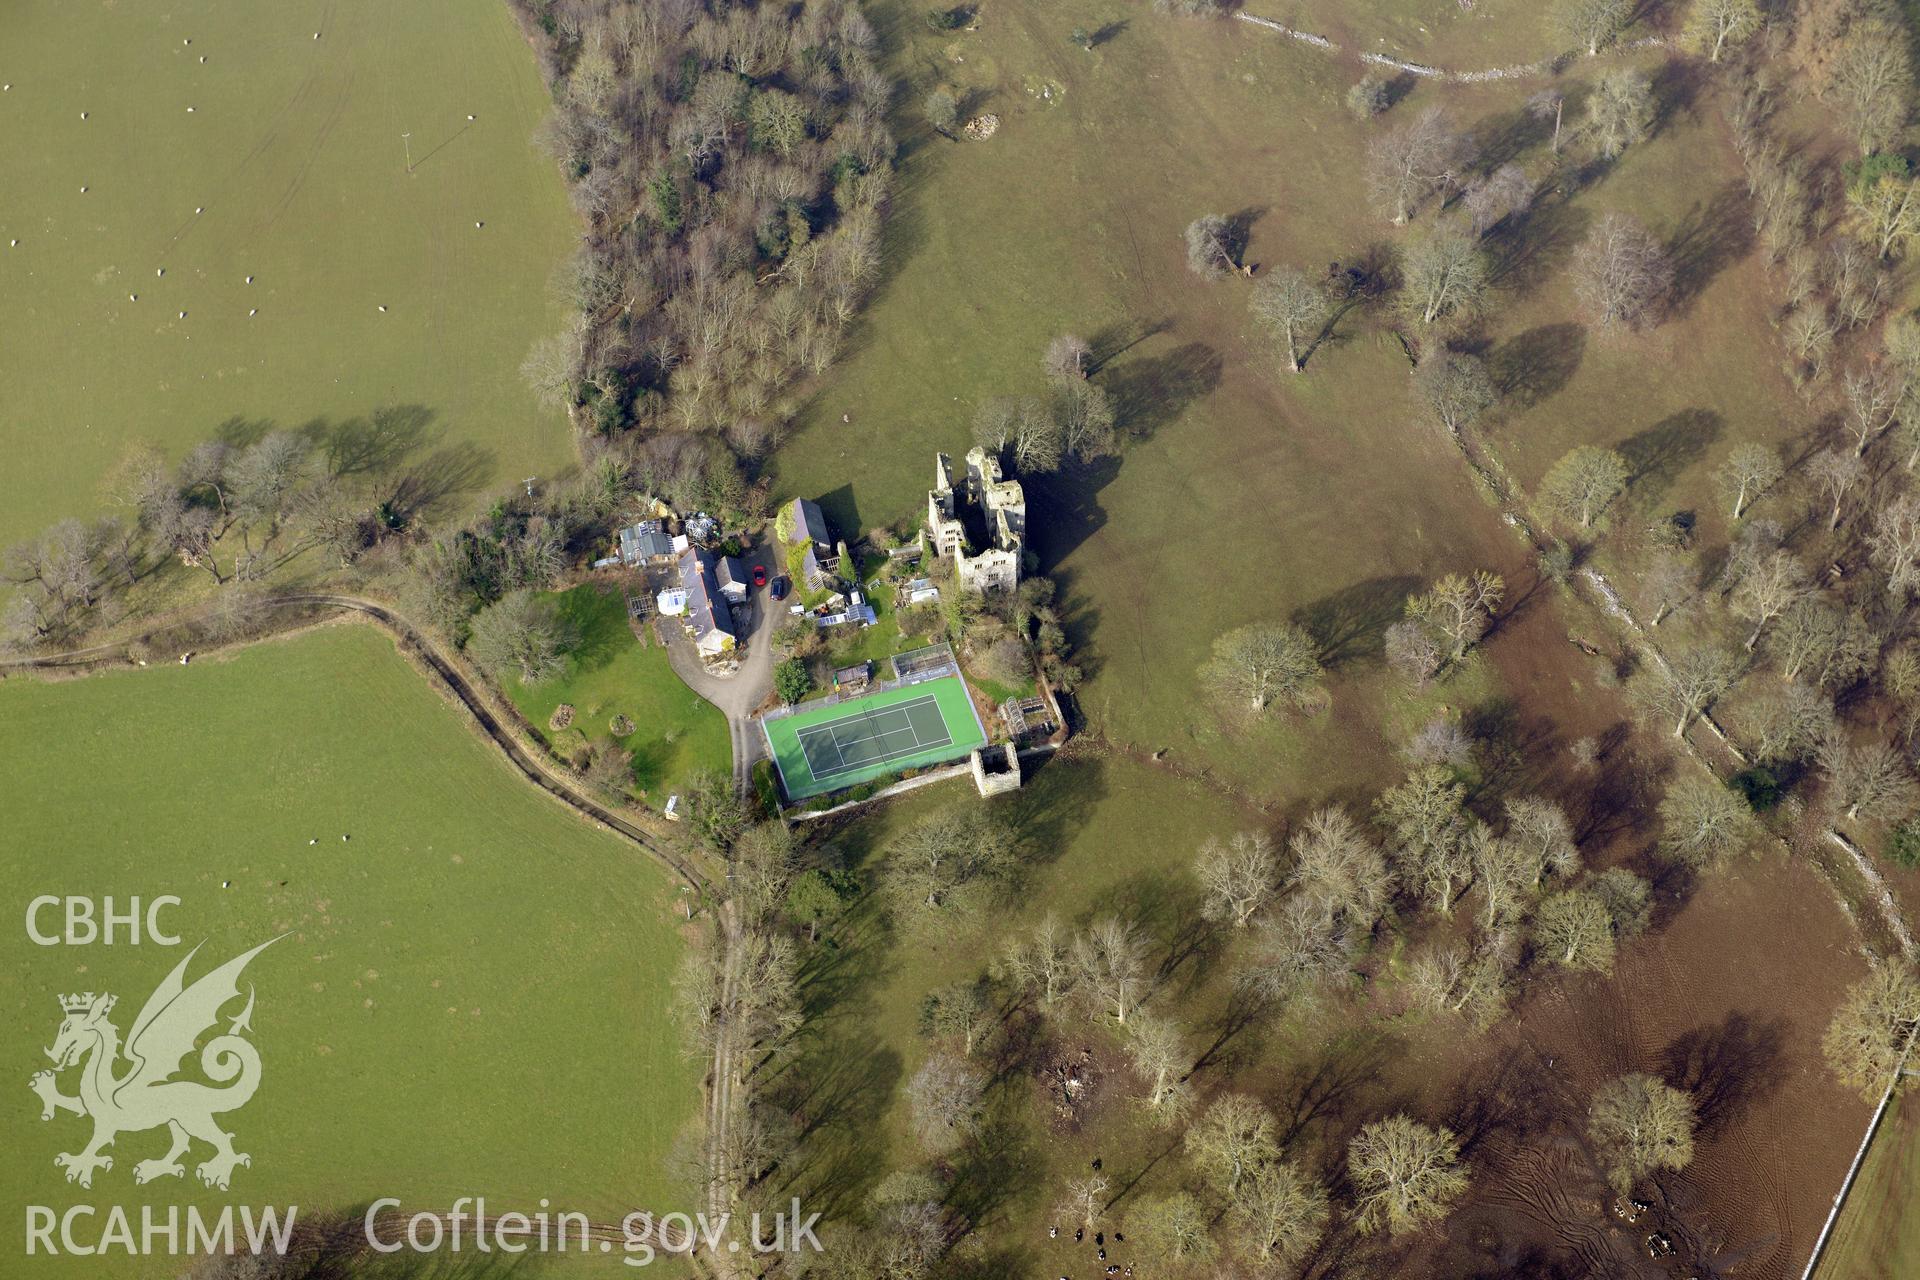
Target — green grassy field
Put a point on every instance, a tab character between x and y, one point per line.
949	697
294	158
677	733
472	994
1878	1235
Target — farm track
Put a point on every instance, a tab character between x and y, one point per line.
1515	71
541	774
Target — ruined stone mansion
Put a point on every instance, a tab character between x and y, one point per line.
980	524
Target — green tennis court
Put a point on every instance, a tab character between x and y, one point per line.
866	738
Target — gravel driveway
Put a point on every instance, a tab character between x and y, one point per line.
739	694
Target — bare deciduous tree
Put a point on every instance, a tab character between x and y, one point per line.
1171	1232
521	636
1624	275
1895	542
1873	1031
1233	1137
1867	782
1767	589
1022	430
1875	396
1295	950
1068	359
1573	930
1668	583
1887	209
1440	740
1443	274
1690	683
1210	247
945	1096
1110	966
1238	877
1702	821
1408	165
1406	1175
1156	1050
1589	24
1714	24
1873	78
1338	868
1293	308
1785	722
1640	1125
1835	473
1540	829
949	864
1748	471
1549	104
1620	110
1262	663
1584	483
1455	387
1278	1215
1828	642
1041	961
1460	607
1413	651
1426	815
1493	199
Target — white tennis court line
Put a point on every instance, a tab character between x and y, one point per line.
831	728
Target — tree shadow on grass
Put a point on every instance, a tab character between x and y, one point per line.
1047	813
597	621
1519	754
1166	908
992	1170
1333	1090
1658	454
1529	367
336	1246
1351	624
1115	340
1149	392
1505	136
1676	87
1714	234
1527	249
375	445
840	1091
429	487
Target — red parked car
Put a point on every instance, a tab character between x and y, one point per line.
759	575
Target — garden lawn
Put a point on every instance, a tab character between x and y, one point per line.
676	733
221	142
470	996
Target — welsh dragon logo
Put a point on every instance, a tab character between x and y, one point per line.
145	1095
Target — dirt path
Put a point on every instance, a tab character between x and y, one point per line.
1518	71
